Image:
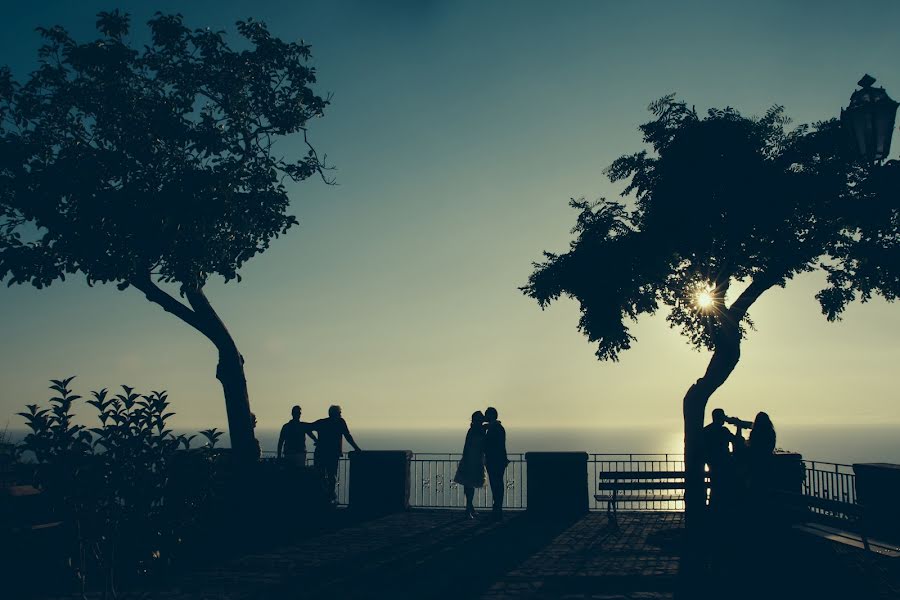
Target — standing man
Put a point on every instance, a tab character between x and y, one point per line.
292	441
717	454
495	458
330	447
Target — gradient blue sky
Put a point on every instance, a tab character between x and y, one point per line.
460	130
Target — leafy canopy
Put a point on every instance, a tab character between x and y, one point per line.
119	162
720	199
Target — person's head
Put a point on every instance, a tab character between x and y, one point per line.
253	420
295	413
334	411
490	414
718	416
762	422
477	418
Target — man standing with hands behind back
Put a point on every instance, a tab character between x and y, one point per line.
495	458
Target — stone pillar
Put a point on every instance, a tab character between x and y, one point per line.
379	481
788	472
557	483
878	491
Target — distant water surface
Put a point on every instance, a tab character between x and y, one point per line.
833	443
842	444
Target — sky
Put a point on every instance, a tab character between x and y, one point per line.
459	131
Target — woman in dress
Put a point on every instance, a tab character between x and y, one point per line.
470	472
760	448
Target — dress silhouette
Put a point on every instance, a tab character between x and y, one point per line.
470	471
759	451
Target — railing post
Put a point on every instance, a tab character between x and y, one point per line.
379	481
877	490
557	483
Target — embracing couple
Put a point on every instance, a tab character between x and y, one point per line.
485	447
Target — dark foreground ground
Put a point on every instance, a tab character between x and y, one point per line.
438	554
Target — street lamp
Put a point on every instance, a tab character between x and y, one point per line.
869	120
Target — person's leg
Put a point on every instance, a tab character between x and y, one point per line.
331	470
498	487
470	498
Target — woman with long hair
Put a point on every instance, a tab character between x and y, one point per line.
470	471
762	437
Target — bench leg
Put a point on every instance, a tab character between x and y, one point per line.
862	532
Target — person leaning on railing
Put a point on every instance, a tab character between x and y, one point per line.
329	448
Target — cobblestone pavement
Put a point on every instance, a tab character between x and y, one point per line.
438	554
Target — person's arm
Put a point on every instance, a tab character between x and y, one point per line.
309	431
280	443
350	438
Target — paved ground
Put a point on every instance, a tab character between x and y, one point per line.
437	554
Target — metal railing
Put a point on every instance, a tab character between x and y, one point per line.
341	488
834	482
432	485
604	464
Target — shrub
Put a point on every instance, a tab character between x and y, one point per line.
128	490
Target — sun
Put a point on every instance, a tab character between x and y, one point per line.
704	300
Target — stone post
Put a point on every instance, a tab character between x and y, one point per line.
557	483
379	481
788	472
878	492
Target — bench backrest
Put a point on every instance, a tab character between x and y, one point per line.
641	480
640	475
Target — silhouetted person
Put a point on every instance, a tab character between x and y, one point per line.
470	471
329	448
255	440
495	458
762	437
759	451
716	453
292	440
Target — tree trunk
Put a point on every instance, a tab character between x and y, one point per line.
230	371
724	359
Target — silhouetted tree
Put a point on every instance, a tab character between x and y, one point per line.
724	208
154	165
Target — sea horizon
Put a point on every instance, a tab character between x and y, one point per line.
845	444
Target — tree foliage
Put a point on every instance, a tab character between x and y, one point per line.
119	163
725	202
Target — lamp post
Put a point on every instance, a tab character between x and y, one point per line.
869	120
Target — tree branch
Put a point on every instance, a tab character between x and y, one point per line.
155	294
218	333
738	309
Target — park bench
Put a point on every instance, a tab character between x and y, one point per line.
24	509
820	519
639	486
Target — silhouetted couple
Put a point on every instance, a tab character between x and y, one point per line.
735	464
329	444
485	448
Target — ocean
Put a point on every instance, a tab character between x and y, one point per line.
839	444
